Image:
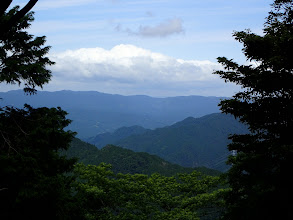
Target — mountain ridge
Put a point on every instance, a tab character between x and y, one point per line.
127	161
94	112
191	142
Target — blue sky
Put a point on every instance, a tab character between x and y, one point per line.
151	47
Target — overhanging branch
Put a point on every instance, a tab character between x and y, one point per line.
15	18
4	5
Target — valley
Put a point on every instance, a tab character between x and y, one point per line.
188	130
193	142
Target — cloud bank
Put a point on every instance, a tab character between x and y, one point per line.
129	70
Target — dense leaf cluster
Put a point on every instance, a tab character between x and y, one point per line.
22	56
105	195
31	169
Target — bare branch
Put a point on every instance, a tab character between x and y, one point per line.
8	143
20	127
4	5
15	18
3	189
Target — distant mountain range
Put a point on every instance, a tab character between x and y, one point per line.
93	112
126	161
106	138
192	142
145	124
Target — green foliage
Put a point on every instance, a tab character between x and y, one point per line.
261	186
193	142
105	195
126	161
22	56
31	169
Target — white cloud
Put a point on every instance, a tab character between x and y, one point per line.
130	70
128	62
164	29
127	69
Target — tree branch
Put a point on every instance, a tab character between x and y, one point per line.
4	5
3	189
8	143
20	14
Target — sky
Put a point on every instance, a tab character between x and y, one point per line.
159	48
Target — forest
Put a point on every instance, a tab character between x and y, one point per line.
47	173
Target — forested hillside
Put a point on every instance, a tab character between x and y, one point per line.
192	142
126	161
103	139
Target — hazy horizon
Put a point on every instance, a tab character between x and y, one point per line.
156	48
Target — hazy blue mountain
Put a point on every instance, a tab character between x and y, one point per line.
127	161
103	139
192	142
93	112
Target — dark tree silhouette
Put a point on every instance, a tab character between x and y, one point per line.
32	180
261	185
33	184
23	58
15	18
